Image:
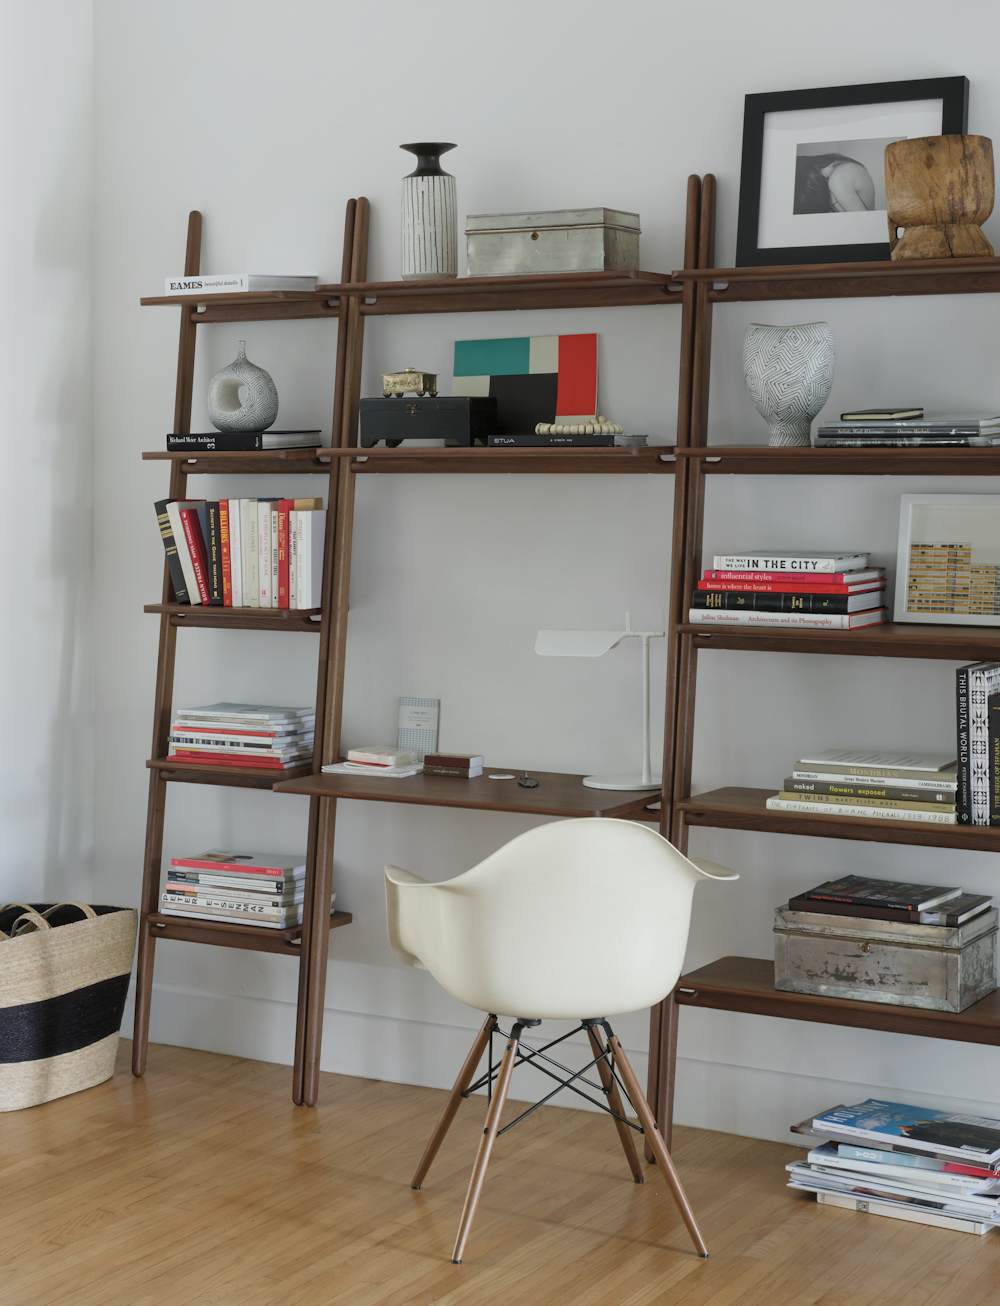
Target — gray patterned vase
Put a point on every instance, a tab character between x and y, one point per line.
789	373
242	397
429	218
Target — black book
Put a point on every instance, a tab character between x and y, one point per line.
993	756
741	601
866	790
954	912
551	441
862	890
170	547
213	554
963	797
241	441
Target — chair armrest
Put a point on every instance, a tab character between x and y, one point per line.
712	870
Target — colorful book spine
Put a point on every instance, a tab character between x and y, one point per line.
804	601
284	555
196	551
213	550
225	556
174	567
236	551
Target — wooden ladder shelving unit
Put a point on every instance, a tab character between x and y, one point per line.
746	984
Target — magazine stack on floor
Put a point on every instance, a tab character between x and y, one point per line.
906	1162
886	786
829	591
249	735
265	889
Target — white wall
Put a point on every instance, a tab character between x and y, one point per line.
46	691
268	117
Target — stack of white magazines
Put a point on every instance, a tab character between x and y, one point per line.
906	1162
382	760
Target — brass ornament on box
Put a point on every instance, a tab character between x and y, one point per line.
939	190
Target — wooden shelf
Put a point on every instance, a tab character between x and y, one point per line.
240	777
748	460
252	306
744	809
558	794
226	934
953	276
654	458
271	462
205	616
954	643
489	294
747	984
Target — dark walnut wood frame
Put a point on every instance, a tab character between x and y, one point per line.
350	302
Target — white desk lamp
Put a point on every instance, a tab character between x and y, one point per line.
594	644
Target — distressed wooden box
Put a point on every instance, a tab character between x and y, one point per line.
561	240
931	966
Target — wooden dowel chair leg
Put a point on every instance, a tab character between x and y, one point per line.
655	1140
486	1143
462	1082
615	1103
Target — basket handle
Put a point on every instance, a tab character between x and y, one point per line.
31	920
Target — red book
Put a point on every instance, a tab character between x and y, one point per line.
977	1171
227	560
196	548
285	506
227	759
791	587
819	580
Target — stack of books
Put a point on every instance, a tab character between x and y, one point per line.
882	786
250	735
830	591
977	701
240	888
385	761
244	553
892	900
465	766
906	1162
908	428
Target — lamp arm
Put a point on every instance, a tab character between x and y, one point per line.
646	769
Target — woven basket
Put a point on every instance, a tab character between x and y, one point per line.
63	982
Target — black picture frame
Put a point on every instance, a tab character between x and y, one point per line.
954	95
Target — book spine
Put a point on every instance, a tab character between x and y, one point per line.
214	555
221	884
810	620
840	801
263	553
826	907
295	559
463	773
550	441
785	587
315	531
236	551
878	791
760	562
984	680
174	567
883	774
776	804
264	904
223	283
250	442
284	508
912	1214
196	551
225	556
273	524
753	602
183	552
251	579
755	575
994	758
213	867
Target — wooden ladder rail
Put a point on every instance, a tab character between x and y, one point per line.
333	661
692	426
163	698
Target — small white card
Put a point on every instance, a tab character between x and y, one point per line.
418	724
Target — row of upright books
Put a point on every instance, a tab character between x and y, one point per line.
254	736
906	1162
831	591
244	553
263	889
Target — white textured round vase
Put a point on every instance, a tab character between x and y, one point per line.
429	217
242	397
789	373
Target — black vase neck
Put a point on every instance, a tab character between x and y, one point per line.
428	157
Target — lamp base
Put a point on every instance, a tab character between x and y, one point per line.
621	781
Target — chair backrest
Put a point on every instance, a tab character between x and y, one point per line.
573	919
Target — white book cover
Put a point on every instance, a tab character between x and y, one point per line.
236	553
264	514
897	1211
183	553
251	579
234	283
308	529
846	560
294	565
239	712
883	760
803	620
945	817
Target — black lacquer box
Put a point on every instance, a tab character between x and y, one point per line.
459	420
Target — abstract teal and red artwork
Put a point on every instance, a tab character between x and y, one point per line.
533	378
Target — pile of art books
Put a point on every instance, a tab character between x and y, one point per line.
887	786
385	761
250	735
828	591
907	1162
264	889
914	429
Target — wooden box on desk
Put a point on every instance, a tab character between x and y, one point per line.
932	966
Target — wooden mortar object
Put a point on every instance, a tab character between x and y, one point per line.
940	190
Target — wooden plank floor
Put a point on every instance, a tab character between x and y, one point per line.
203	1186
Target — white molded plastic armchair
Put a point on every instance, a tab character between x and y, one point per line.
579	920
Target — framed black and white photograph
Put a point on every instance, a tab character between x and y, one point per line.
812	184
948	559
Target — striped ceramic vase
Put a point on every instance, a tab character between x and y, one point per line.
64	973
429	227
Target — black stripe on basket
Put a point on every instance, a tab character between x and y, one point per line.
36	1030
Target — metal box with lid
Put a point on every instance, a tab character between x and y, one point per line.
937	967
561	240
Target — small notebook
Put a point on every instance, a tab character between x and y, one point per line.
418	724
